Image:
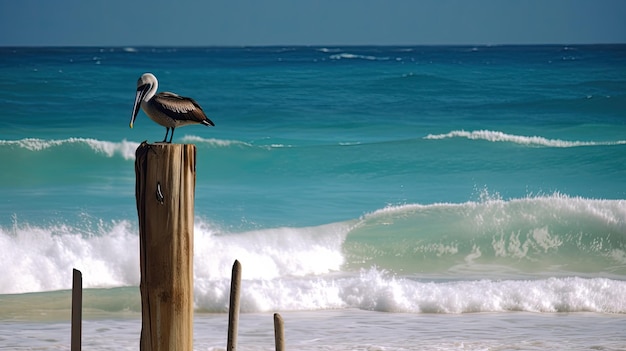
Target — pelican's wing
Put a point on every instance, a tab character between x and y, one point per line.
181	108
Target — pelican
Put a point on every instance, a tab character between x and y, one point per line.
167	109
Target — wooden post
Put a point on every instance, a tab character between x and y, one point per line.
165	186
233	309
279	332
77	309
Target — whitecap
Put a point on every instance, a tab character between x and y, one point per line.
497	136
346	56
124	148
214	142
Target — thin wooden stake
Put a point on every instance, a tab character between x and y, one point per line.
233	309
279	332
77	308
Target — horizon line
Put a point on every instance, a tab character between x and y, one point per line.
308	45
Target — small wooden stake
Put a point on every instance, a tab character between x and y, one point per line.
279	332
77	308
233	309
165	186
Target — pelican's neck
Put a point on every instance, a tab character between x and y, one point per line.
152	88
152	84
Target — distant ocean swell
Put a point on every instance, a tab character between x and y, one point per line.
537	141
45	161
126	149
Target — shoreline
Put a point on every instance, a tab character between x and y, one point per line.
350	329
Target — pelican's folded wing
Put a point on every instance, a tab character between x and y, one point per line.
181	108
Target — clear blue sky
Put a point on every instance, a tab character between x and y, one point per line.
309	22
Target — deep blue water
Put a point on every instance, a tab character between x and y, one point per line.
337	172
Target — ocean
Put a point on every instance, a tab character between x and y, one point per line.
379	198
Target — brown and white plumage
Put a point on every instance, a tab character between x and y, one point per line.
167	109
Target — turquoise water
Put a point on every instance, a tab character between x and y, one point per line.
412	180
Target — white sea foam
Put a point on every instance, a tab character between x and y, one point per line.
548	235
377	290
270	253
283	269
496	136
326	50
610	212
42	257
214	142
347	56
227	143
124	148
305	268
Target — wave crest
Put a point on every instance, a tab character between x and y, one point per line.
377	290
497	136
108	255
344	56
214	142
555	235
124	148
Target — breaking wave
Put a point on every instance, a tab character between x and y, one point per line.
496	136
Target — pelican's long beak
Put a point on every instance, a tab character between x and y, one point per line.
141	92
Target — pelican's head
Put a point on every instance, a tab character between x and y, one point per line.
147	85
